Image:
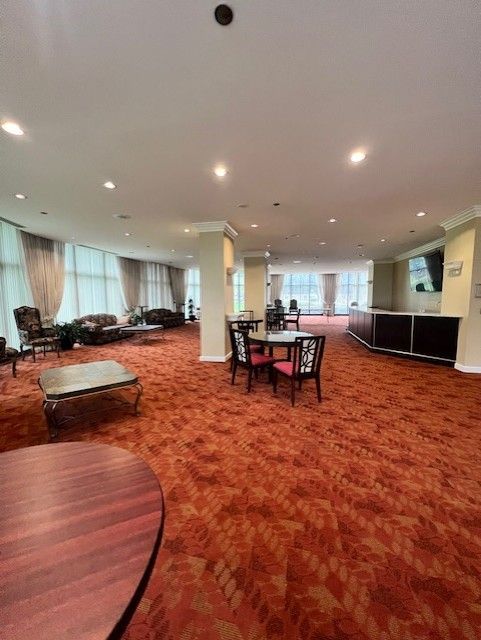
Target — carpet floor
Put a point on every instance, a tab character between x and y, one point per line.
355	519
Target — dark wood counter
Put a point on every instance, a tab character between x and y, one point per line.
80	526
417	335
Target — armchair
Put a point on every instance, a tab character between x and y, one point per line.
8	355
31	332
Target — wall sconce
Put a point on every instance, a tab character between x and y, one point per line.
453	268
231	270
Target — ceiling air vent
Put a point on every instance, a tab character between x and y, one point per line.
14	224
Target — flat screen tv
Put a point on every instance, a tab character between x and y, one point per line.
426	272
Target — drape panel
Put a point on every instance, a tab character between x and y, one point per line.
129	272
155	289
329	285
177	282
45	266
277	284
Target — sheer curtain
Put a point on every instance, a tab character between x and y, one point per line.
45	267
91	283
155	289
129	271
329	288
14	289
277	285
177	282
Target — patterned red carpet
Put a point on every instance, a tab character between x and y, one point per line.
356	519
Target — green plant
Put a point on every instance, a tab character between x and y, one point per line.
191	308
70	333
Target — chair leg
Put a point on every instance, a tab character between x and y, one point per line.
293	390
22	353
14	367
274	380
33	352
58	349
249	381
318	387
234	369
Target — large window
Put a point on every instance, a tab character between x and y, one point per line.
155	289
193	288
238	285
14	290
304	288
352	288
91	284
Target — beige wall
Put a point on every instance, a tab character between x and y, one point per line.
403	299
255	282
380	290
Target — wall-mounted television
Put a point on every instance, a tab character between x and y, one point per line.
426	272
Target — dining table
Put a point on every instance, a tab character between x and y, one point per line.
80	527
271	339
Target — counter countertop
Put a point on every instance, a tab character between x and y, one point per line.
434	314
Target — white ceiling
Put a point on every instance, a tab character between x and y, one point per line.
153	94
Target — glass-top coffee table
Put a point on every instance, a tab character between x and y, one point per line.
62	384
144	332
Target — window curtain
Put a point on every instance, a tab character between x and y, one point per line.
45	265
177	282
14	289
129	271
277	284
155	289
329	288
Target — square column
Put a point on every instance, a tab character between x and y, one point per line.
255	282
216	259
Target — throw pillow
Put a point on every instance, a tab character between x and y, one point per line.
123	320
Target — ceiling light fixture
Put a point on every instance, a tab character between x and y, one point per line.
44	213
383	239
357	156
186	230
254	226
276	204
121	216
20	196
127	234
296	261
242	206
420	214
110	185
322	243
13	128
332	220
189	256
220	171
173	250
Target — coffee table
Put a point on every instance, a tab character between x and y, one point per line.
62	384
80	527
145	331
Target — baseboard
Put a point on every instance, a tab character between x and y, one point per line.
465	369
216	358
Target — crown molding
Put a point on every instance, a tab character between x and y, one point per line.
217	225
429	246
255	254
461	218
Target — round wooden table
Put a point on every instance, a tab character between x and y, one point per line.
273	339
80	526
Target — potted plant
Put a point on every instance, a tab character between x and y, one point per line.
135	319
191	308
70	333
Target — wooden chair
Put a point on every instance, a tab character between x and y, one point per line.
305	364
292	318
31	332
242	356
275	319
8	355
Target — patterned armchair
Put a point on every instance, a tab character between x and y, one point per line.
165	317
31	332
8	355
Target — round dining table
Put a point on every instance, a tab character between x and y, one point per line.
80	527
271	339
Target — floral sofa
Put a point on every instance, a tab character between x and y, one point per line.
103	327
166	317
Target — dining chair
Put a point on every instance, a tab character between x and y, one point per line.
275	319
327	311
292	318
293	305
242	356
305	364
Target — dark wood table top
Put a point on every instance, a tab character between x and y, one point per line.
80	526
278	338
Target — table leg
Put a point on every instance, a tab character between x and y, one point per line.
49	409
140	389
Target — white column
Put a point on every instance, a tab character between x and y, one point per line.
216	258
255	282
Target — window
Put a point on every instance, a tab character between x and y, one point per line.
14	289
92	283
304	288
238	285
353	288
155	289
193	288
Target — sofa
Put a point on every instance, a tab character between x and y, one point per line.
103	327
166	317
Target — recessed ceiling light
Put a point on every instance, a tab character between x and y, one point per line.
276	204
361	255
186	230
254	226
220	171
358	156
20	196
383	239
332	220
420	214
110	185
121	216
322	243
44	213
360	245
296	261
268	245
131	251
148	246
242	206
412	231
13	128
173	250
127	233
189	256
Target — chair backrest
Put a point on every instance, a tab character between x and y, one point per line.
3	344
248	314
28	319
277	302
243	325
293	304
308	352
240	346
